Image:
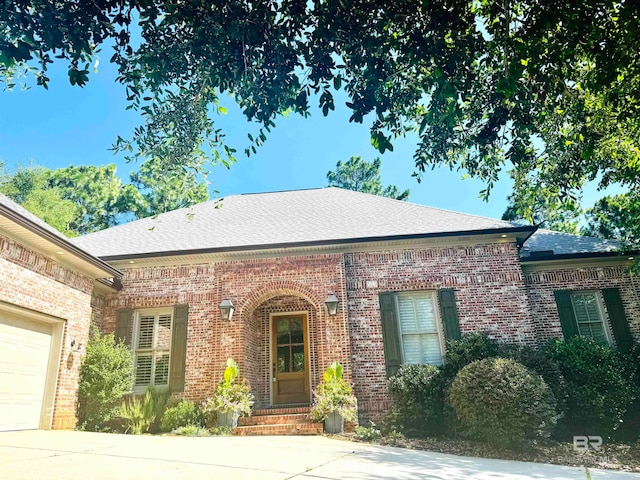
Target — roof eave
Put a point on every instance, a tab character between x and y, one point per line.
580	256
521	233
58	241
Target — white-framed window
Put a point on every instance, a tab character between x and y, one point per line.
589	315
421	335
152	347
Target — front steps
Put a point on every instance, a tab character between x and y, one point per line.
278	421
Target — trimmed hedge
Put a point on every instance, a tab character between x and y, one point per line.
469	348
596	388
599	395
418	393
498	401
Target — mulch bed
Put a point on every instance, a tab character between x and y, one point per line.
615	456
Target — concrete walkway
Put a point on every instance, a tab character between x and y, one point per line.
98	456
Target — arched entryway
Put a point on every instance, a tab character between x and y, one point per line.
282	347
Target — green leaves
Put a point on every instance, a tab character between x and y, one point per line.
616	217
333	373
231	372
478	81
380	142
106	375
160	186
78	77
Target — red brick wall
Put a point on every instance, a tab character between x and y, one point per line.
256	287
490	296
542	284
489	288
490	291
165	287
33	281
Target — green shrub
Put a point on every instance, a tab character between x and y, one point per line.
367	434
160	399
538	361
394	436
334	394
599	395
221	431
498	401
418	393
140	411
192	431
478	346
630	428
183	414
106	376
469	348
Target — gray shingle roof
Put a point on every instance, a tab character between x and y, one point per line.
564	243
316	215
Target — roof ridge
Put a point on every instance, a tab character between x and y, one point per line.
580	235
405	202
280	191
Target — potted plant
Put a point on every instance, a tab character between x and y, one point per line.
231	399
334	401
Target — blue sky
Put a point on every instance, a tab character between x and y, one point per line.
71	125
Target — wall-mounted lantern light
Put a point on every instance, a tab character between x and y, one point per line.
226	309
332	303
77	347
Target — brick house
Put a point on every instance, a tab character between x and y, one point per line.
406	278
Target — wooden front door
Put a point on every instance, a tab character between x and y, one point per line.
290	359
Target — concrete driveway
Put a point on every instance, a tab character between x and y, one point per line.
97	456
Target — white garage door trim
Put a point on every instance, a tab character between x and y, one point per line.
57	331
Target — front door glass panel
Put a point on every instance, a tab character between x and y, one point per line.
290	346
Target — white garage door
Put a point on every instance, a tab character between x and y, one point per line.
24	357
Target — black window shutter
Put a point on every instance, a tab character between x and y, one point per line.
178	348
449	313
618	320
567	316
123	326
390	333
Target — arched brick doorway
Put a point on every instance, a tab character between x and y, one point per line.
269	362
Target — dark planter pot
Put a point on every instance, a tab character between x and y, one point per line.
334	423
227	419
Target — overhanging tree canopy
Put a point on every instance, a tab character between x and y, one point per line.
548	88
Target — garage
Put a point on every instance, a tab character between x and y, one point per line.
25	356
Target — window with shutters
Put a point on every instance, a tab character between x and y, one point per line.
152	348
589	316
421	336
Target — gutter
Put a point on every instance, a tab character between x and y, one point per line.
57	240
578	256
535	229
113	283
529	230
